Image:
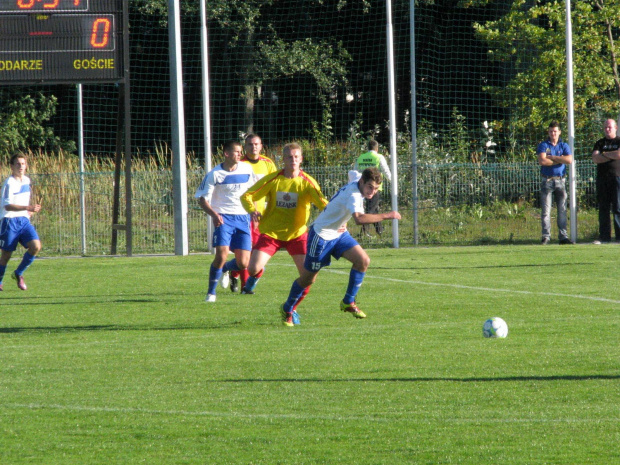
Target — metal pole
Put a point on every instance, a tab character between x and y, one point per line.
179	174
126	96
414	123
392	100
571	123
204	52
81	157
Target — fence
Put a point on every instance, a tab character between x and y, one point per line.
459	204
317	70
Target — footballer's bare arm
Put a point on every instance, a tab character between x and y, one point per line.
369	218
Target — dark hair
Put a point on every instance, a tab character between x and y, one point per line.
554	124
228	146
372	174
15	156
373	145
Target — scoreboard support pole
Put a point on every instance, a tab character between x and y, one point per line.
123	154
123	138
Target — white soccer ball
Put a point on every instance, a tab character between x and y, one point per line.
495	327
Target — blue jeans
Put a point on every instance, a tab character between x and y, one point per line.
608	195
558	189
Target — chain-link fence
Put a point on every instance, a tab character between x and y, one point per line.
458	204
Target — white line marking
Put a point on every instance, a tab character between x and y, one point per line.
228	414
485	289
406	415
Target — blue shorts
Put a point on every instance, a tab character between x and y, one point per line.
320	251
16	230
234	233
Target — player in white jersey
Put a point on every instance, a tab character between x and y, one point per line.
219	196
328	237
262	166
15	226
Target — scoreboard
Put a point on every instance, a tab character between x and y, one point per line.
62	41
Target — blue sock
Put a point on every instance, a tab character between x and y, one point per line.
230	266
2	271
355	281
293	297
250	284
214	276
26	262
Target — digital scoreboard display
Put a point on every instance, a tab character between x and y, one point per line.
8	6
61	41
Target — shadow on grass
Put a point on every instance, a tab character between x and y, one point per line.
72	329
21	300
424	379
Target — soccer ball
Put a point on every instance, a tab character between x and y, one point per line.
495	327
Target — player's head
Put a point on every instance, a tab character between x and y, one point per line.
292	156
554	131
18	163
253	146
232	151
289	148
373	145
370	182
610	128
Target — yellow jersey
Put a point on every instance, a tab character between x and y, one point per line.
261	167
288	203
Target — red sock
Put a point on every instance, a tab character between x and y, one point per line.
260	273
235	274
244	277
303	296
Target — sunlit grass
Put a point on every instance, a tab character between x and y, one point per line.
119	360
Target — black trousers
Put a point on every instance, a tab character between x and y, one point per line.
372	206
608	193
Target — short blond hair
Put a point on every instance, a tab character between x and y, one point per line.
288	148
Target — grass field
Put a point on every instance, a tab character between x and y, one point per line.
120	360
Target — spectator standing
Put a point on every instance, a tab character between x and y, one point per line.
373	159
606	155
553	156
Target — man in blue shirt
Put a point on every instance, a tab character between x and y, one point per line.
553	156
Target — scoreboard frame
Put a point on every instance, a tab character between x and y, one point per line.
63	41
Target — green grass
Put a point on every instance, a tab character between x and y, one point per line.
119	360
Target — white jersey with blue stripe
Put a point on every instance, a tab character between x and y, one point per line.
15	192
223	189
332	221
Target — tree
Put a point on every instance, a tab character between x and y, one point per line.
530	43
258	43
23	121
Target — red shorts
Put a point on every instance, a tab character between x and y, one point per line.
270	246
255	232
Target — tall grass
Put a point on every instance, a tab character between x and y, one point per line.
42	162
458	204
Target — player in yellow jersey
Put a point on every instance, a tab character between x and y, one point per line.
261	165
289	194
